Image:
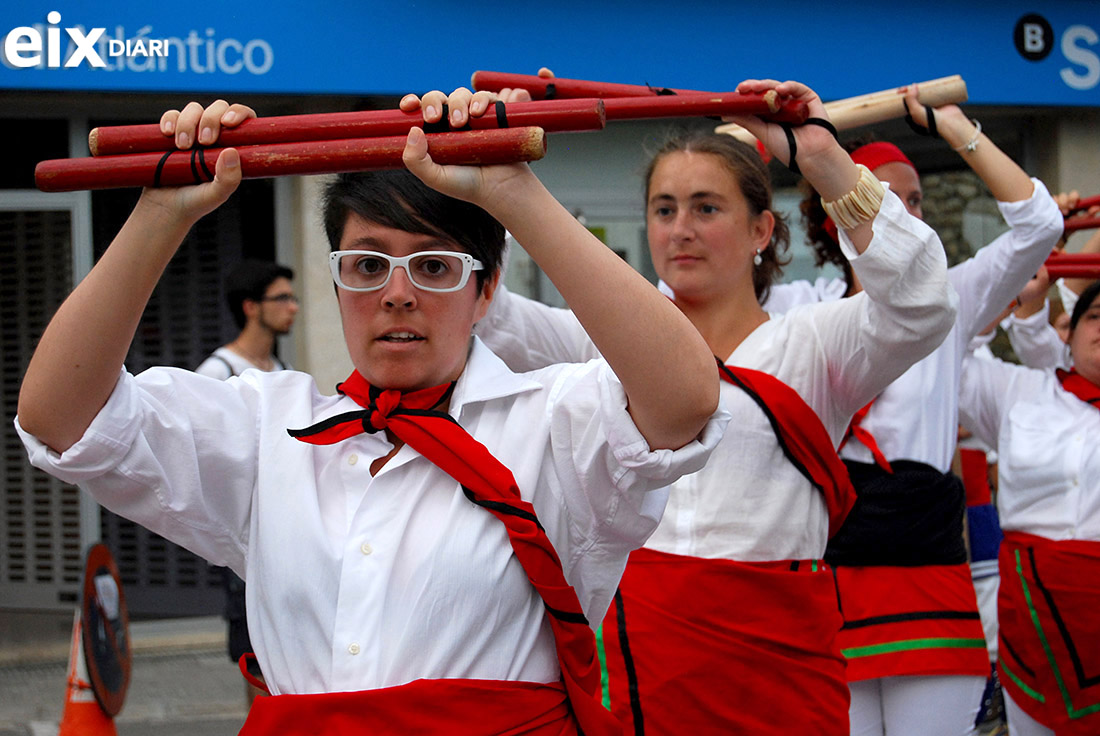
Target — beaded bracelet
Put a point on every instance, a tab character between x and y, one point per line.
859	205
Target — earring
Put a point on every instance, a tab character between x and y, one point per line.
756	259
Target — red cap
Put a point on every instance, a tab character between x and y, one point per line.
878	153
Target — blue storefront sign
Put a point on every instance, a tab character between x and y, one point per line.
1008	52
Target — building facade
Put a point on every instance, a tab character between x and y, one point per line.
65	70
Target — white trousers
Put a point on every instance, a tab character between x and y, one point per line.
986	590
945	705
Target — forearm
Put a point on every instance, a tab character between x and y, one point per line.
833	174
77	361
1004	177
666	368
1000	271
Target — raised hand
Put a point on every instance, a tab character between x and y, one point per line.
196	124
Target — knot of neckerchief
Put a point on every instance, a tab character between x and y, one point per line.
1079	386
415	419
379	405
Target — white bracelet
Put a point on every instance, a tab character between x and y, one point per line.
971	144
859	205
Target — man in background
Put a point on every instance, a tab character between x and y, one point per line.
260	296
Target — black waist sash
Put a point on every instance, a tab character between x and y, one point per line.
913	516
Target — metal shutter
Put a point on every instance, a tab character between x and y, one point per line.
41	561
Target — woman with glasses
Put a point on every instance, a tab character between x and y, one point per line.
424	550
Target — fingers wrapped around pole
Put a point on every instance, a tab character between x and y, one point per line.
876	107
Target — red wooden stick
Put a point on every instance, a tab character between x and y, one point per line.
1076	259
1082	222
1069	271
1073	265
1084	204
769	105
551	116
178	168
634	101
558	88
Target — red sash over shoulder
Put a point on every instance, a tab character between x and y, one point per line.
698	646
1050	630
451	707
803	437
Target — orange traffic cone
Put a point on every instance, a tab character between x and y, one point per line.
83	715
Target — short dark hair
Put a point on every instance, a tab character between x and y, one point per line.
396	198
751	175
1088	296
249	279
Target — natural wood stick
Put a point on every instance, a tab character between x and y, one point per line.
876	107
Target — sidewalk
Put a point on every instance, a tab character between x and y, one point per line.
181	683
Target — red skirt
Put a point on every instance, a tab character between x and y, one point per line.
1050	631
451	707
910	621
698	646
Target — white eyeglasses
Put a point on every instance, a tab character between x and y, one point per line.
430	270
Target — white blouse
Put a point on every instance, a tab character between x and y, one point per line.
358	581
1035	341
915	417
1048	448
749	502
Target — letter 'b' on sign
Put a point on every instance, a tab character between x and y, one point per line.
1034	38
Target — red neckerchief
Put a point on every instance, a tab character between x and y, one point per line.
855	429
414	419
1079	386
803	437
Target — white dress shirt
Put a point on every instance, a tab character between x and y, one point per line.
1048	448
749	502
358	581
